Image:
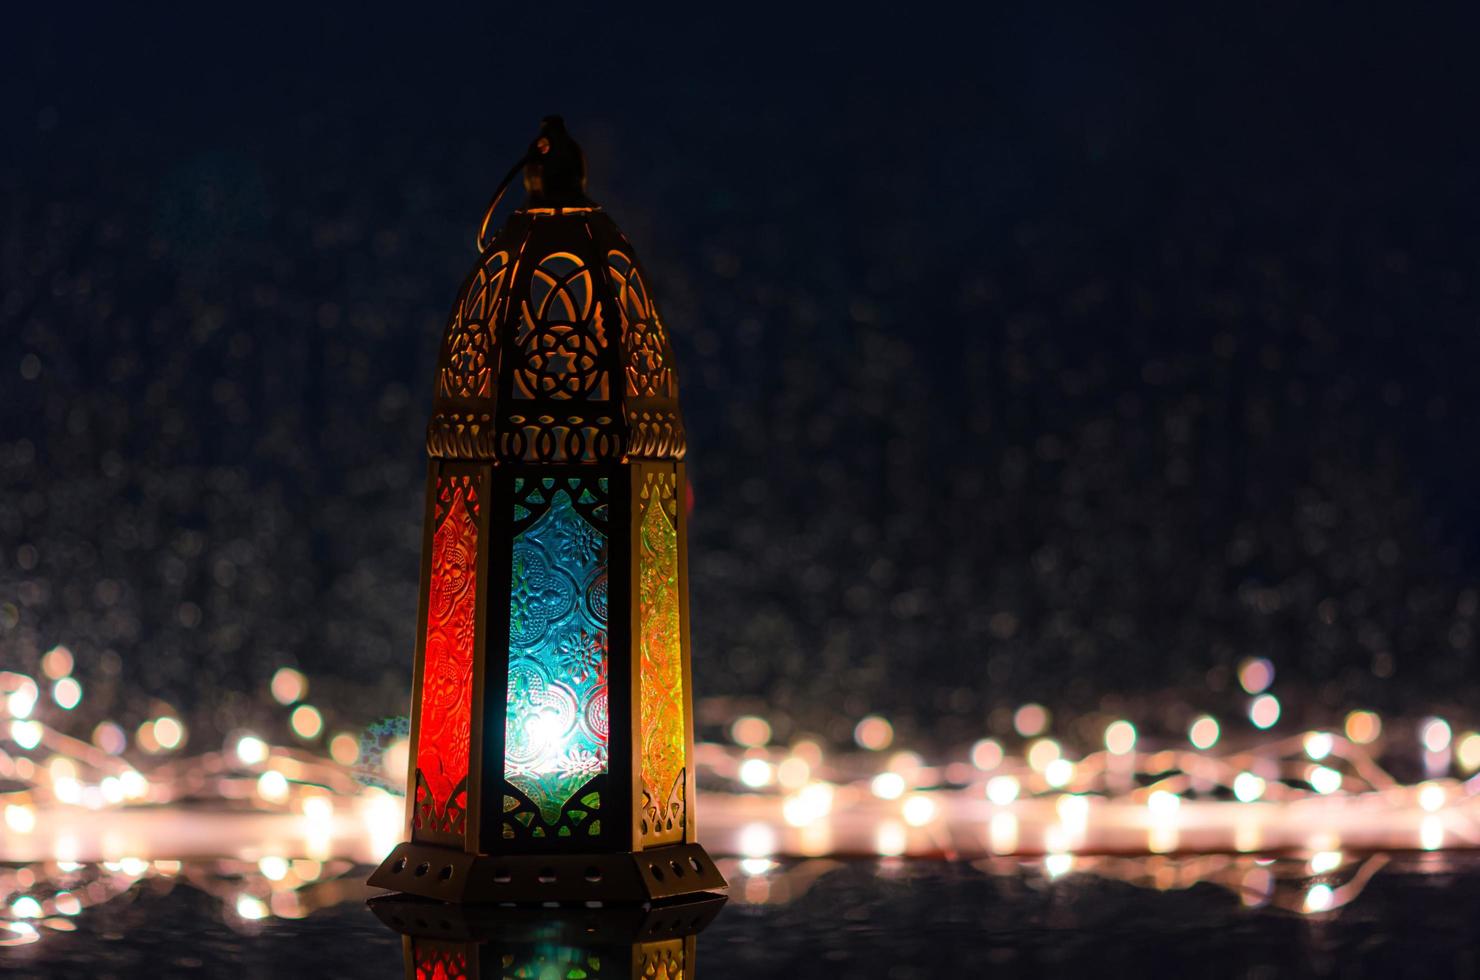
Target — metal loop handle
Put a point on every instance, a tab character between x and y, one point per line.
498	196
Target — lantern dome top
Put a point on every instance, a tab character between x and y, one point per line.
555	352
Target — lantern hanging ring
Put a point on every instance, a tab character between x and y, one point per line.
481	241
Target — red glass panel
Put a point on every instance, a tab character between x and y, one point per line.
438	962
445	734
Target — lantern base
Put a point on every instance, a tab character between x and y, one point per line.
451	875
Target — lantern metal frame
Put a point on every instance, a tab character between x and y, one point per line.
531	404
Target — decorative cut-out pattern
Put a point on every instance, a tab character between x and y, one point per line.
468	363
434	962
556	730
661	960
662	694
560	334
644	342
445	735
529	374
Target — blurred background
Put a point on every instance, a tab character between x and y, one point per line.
1073	356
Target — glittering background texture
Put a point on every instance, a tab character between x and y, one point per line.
1073	358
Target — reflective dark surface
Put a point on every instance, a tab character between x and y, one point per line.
1415	917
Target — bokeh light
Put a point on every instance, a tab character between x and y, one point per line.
1247	787
1363	727
67	693
1255	675
306	722
1435	734
344	749
251	750
888	785
750	731
986	754
1120	737
755	773
1264	711
57	663
1002	790
1468	752
1030	720
168	733
288	685
1204	732
874	733
1318	745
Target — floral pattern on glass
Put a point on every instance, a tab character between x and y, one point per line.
444	737
662	695
556	727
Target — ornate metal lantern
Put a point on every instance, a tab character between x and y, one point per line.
552	734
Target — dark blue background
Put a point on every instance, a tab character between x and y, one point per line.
1070	355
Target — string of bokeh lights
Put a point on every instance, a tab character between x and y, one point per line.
783	809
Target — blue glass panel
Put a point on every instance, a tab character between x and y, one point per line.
556	732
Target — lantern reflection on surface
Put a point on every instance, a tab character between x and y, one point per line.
611	943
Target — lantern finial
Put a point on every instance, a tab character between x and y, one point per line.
555	169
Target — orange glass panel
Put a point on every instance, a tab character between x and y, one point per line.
445	734
661	669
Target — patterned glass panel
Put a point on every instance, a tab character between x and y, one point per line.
661	960
445	735
556	730
662	665
438	962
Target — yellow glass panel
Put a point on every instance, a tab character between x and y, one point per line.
662	716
